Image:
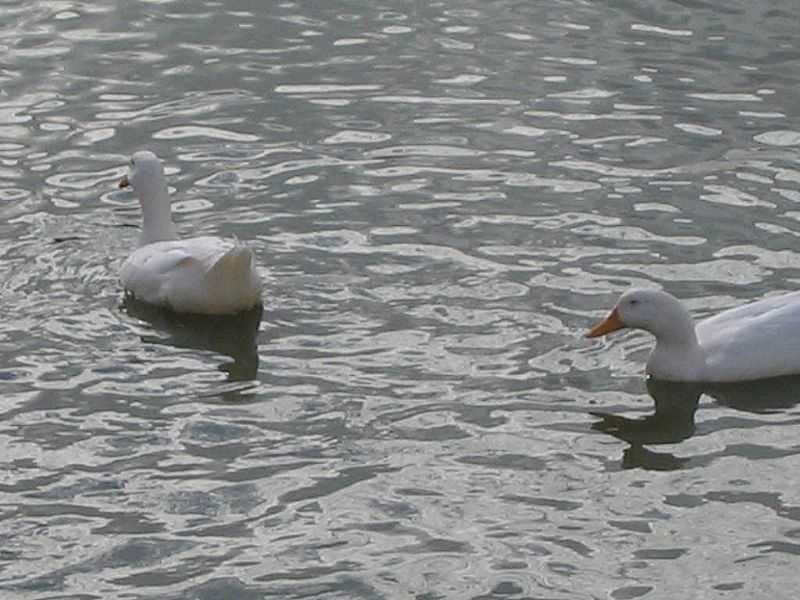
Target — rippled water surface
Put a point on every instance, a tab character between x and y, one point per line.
442	197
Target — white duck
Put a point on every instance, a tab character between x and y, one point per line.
206	275
754	341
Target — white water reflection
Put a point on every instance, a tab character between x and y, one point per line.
445	196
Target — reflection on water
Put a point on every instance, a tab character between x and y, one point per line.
673	419
234	336
445	194
762	396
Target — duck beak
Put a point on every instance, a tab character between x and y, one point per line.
611	323
123	183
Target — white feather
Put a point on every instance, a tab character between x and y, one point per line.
753	341
206	275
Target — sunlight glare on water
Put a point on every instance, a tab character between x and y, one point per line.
442	198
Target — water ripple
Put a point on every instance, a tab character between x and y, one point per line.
441	200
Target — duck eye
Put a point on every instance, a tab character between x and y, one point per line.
634	302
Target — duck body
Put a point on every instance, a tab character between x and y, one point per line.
202	275
754	341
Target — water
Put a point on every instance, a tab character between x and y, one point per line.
443	196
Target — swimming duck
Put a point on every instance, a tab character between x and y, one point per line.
753	341
205	275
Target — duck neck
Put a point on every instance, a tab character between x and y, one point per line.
157	223
677	354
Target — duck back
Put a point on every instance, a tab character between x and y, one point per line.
204	275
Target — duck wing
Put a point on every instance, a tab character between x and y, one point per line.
203	275
757	340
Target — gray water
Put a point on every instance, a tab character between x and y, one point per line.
442	197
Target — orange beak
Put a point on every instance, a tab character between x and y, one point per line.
611	323
123	183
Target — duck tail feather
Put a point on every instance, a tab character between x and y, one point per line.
233	269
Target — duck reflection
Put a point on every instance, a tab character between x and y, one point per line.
675	406
230	335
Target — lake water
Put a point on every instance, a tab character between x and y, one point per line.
443	196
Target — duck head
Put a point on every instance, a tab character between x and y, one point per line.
146	177
652	310
146	174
